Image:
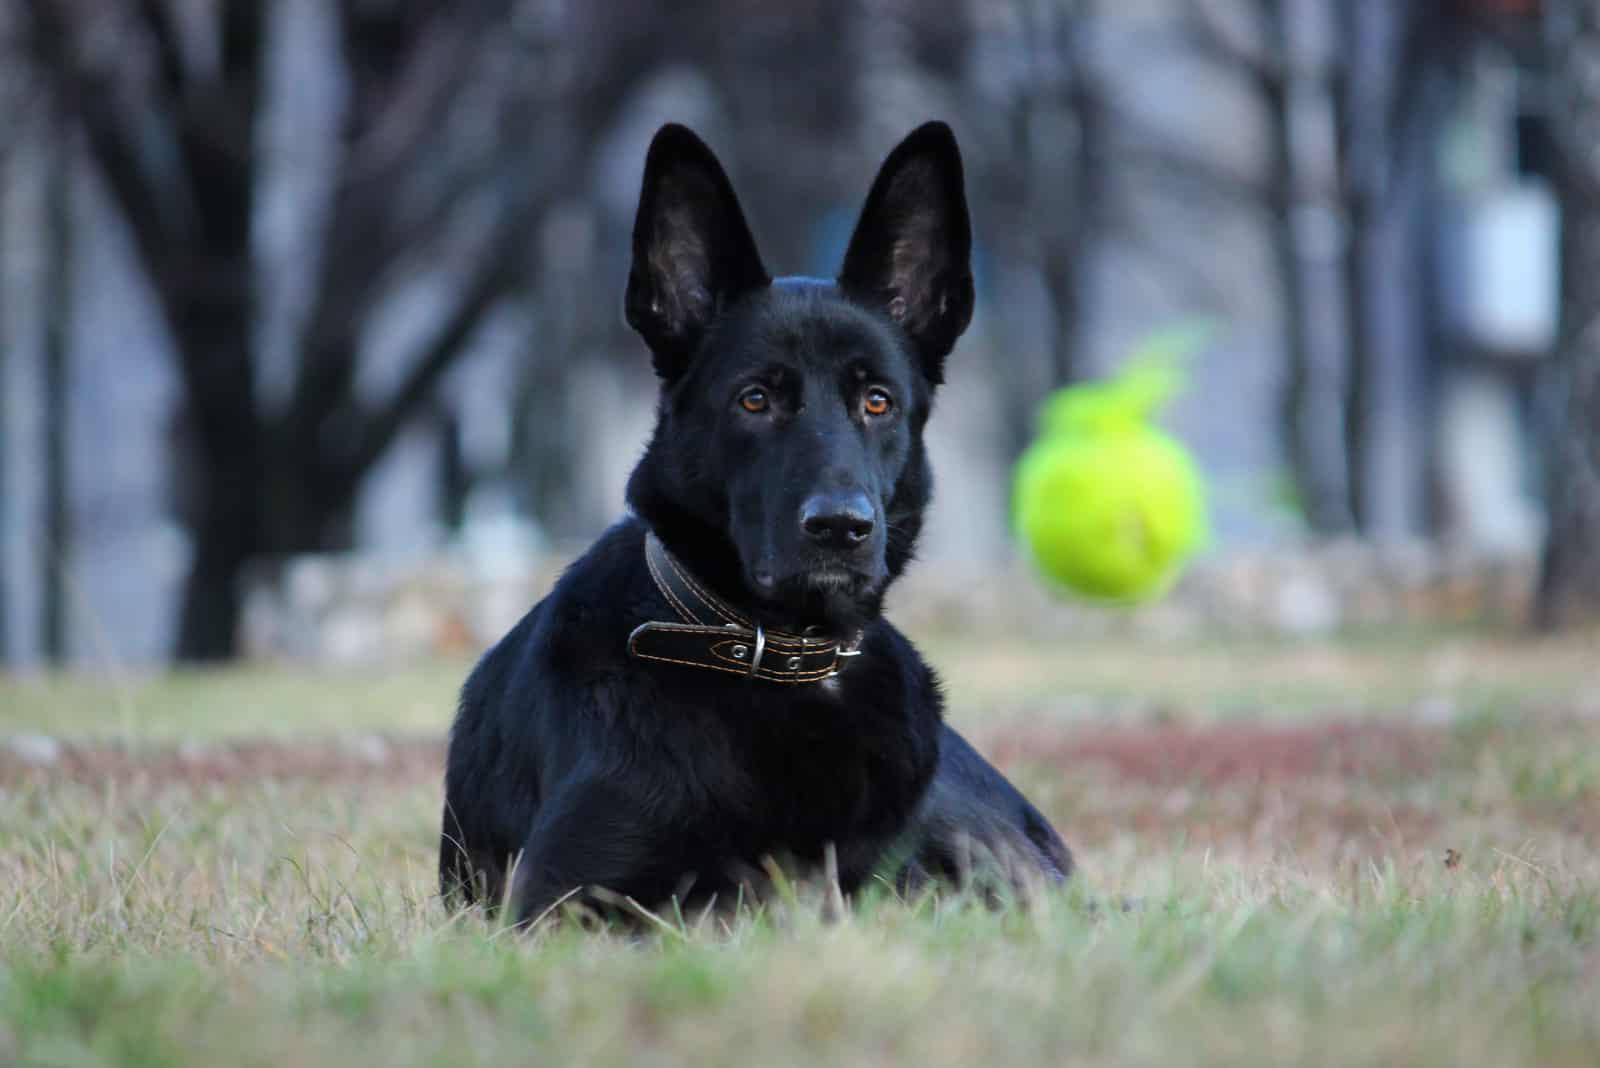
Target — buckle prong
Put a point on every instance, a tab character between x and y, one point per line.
755	656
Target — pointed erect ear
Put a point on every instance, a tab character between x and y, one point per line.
692	252
911	252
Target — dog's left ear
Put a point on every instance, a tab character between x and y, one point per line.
911	251
692	250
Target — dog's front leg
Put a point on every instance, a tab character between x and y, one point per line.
587	835
859	859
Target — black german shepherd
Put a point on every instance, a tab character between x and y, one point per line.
712	683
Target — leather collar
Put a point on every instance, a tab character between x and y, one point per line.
712	634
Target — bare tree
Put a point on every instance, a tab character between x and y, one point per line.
1285	51
1355	97
5	562
1044	179
1391	103
448	146
58	299
10	98
1569	584
1311	231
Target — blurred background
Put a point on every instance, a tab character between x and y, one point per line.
310	331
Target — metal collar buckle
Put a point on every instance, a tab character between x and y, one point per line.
742	651
844	652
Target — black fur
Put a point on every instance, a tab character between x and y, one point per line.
787	471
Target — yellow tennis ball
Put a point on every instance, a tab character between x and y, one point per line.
1108	505
1110	516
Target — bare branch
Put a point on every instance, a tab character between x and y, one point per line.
397	106
1153	151
397	112
495	275
126	145
157	17
1205	32
1207	177
369	228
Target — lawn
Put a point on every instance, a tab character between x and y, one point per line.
1378	850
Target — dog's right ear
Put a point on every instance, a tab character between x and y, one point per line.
692	251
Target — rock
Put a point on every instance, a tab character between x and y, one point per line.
368	748
1436	710
35	750
195	751
310	580
410	622
1304	604
351	635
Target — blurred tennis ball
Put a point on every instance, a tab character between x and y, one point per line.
1108	505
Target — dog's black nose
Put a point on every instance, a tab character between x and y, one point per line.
837	520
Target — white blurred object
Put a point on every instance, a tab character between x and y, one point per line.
1509	269
496	538
34	750
1305	605
1480	465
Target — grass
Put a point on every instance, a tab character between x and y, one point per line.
1433	906
989	680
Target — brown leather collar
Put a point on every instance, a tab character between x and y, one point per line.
712	634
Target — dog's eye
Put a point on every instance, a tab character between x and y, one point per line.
877	401
754	400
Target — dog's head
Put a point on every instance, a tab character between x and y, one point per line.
787	463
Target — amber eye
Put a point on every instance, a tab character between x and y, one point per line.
878	401
754	400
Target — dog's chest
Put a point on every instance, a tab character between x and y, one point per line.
791	769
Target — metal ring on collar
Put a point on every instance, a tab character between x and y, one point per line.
755	656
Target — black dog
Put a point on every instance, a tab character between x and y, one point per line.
712	683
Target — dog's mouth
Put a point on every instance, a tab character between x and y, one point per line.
825	591
822	579
830	579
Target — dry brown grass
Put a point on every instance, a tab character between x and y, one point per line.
1364	879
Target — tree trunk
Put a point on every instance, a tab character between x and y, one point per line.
57	425
1569	582
1310	237
258	490
209	622
1386	168
310	448
1043	188
1084	190
5	399
1387	435
225	476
